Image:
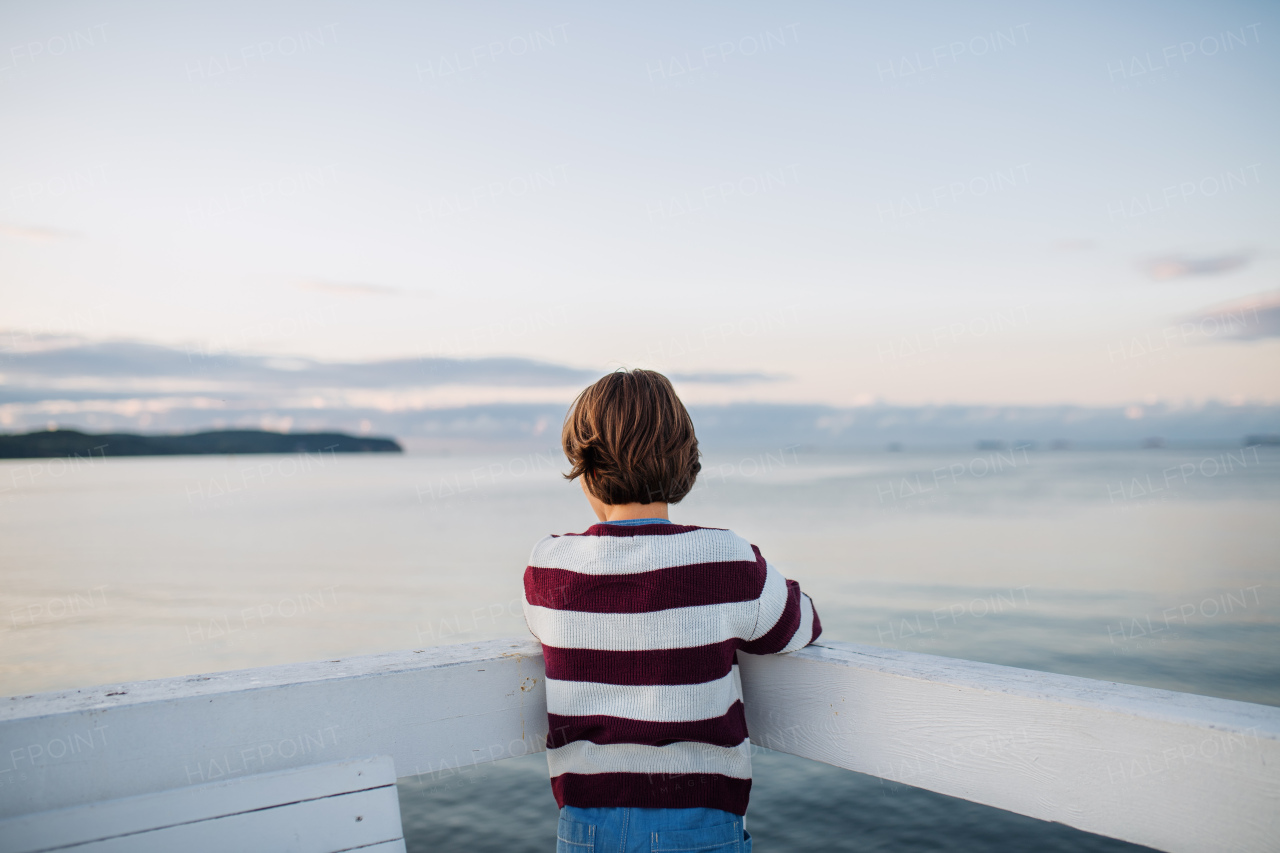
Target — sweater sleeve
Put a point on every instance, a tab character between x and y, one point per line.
524	600
786	620
537	594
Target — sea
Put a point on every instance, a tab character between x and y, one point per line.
1156	567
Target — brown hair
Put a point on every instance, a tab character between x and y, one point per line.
631	440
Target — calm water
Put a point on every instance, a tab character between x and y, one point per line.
1154	567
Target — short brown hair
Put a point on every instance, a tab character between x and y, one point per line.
631	440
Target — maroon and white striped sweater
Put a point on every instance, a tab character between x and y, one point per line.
641	626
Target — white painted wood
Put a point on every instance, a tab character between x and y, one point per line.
239	813
1174	771
331	825
429	710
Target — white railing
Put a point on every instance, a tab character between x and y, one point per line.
1173	771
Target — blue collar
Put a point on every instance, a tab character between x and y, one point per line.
631	522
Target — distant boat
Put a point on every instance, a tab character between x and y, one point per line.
1269	440
1153	443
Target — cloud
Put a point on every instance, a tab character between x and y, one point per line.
102	362
35	234
126	385
1252	318
725	378
1180	266
16	342
339	288
778	429
52	376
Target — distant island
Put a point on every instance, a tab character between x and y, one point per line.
70	442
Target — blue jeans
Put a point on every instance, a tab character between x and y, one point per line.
623	830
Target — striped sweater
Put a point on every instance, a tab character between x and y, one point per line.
640	627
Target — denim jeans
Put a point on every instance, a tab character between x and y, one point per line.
623	830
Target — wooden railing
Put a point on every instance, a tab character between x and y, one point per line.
1173	771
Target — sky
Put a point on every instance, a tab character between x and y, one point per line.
844	204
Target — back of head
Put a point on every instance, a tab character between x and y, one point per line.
631	440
